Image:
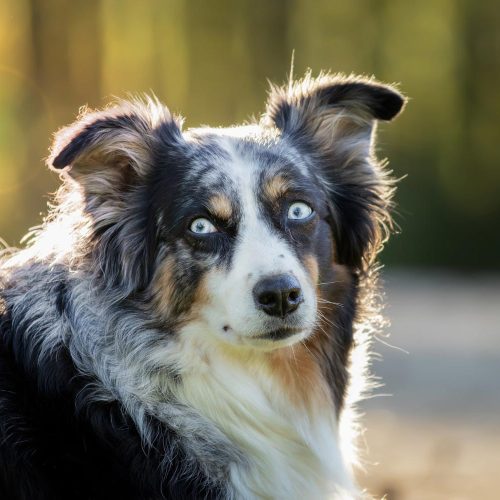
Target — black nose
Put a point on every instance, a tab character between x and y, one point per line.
278	295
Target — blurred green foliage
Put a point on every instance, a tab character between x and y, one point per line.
209	60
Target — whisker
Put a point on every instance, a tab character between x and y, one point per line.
294	357
324	301
331	337
325	310
327	320
390	345
303	342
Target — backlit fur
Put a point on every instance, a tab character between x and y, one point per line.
135	360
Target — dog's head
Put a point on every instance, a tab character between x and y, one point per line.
247	232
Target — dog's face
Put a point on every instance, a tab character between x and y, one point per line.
244	233
248	221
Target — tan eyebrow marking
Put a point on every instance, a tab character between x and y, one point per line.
276	186
220	206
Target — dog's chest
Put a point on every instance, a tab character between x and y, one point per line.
292	448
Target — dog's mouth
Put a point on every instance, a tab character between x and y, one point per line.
279	334
270	339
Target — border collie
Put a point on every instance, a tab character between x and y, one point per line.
192	318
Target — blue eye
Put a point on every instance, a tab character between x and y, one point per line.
202	226
299	211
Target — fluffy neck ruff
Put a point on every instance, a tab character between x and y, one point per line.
276	407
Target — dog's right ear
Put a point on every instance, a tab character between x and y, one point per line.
109	155
113	144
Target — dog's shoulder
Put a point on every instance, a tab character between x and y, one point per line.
58	437
42	443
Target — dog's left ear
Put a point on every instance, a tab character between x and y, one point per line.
114	142
332	118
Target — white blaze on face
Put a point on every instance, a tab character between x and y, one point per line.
260	252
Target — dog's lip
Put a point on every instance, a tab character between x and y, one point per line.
279	334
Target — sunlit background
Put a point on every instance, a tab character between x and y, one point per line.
438	435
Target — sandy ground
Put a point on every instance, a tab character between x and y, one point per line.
434	433
433	459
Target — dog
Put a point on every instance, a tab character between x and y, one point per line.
192	318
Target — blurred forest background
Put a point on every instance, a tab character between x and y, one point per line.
209	61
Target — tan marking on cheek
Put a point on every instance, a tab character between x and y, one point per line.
163	286
220	206
311	264
201	300
276	187
202	295
300	374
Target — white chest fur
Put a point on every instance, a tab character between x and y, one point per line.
292	447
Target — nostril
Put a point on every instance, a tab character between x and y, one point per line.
291	300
